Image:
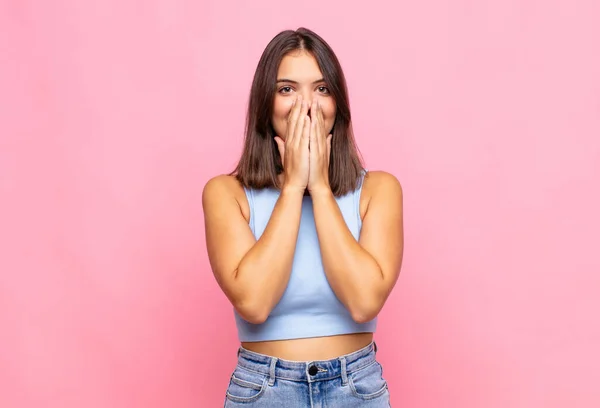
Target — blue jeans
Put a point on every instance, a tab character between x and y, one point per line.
351	380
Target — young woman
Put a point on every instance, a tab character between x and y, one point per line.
305	243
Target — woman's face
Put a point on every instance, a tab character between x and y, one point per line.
299	74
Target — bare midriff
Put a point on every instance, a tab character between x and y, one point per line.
311	349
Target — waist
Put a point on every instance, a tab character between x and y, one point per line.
313	370
314	348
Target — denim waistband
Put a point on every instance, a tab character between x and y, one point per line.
309	371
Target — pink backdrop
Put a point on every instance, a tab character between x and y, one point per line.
114	114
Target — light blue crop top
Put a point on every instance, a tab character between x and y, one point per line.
308	307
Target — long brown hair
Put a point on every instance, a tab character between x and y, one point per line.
260	162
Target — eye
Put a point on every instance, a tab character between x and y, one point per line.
285	89
323	90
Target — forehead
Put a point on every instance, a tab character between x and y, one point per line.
299	66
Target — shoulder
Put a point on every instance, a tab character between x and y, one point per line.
219	185
381	187
381	181
224	188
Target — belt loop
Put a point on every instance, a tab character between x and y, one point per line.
374	346
272	371
344	372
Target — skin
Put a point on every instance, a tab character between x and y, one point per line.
300	85
254	274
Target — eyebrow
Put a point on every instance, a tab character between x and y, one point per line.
296	82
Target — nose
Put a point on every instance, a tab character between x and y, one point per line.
309	98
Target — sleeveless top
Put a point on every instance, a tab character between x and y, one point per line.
308	307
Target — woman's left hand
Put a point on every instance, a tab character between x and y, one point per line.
320	149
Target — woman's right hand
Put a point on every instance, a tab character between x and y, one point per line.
294	149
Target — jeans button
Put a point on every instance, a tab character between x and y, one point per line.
313	370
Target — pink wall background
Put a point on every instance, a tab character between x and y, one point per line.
114	114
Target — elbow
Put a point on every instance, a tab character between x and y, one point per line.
368	306
252	312
365	313
361	318
249	305
253	318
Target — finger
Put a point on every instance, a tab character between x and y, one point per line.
305	139
321	133
280	147
314	117
301	123
293	118
321	119
329	147
320	109
314	129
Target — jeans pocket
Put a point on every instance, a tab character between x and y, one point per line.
246	386
368	382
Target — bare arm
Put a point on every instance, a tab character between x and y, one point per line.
252	274
362	274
